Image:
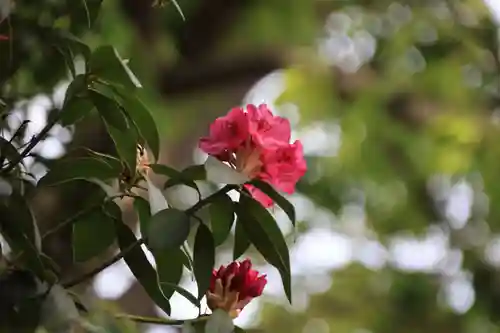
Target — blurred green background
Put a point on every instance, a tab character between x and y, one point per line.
398	108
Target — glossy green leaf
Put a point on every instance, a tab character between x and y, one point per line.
204	258
221	217
19	228
107	64
110	110
143	120
181	291
173	174
83	13
75	44
93	233
140	266
168	229
191	173
169	267
241	242
75	110
280	200
264	233
8	151
79	168
143	211
126	145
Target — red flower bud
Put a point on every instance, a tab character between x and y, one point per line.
3	37
234	286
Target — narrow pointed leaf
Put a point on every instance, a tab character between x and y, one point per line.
264	233
204	258
140	266
80	168
280	200
241	242
221	218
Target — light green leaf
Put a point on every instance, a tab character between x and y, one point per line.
168	229
221	217
143	120
106	63
126	145
80	168
264	233
204	258
110	110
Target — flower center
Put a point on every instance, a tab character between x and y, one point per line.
247	160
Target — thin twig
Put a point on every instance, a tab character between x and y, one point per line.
158	320
39	137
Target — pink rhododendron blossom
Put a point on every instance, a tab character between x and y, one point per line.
285	165
267	129
226	134
256	143
234	286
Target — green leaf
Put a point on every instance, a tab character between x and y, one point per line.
191	173
143	120
79	168
174	174
169	267
75	89
168	229
93	233
107	64
75	110
18	226
204	258
8	151
221	217
143	211
280	200
126	145
238	330
140	266
110	110
76	45
241	242
83	13
264	233
183	292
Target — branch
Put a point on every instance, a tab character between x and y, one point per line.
39	137
159	321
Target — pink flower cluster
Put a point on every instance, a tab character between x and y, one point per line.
234	286
257	144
